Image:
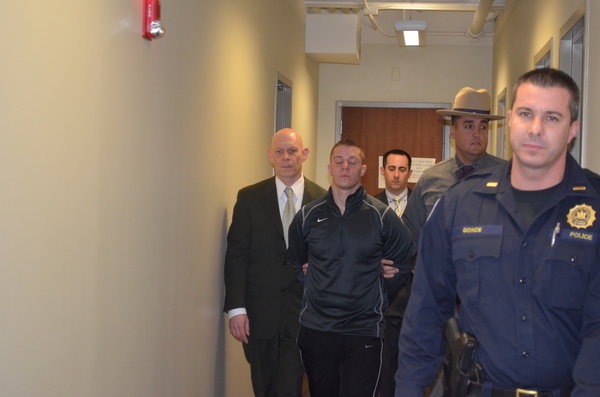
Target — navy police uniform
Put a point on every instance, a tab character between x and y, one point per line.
530	295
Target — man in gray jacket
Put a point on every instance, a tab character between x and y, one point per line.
471	116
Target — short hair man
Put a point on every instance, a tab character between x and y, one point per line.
396	171
519	245
262	293
343	237
471	116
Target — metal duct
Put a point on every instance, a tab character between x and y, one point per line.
479	19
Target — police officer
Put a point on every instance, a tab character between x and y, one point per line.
519	245
471	115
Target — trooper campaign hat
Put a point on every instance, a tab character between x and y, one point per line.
469	102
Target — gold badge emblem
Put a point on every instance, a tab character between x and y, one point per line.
581	216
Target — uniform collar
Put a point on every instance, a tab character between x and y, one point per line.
481	161
574	183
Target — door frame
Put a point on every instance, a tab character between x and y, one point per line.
447	150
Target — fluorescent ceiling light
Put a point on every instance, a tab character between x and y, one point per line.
411	33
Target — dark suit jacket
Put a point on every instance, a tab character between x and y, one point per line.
383	198
257	275
397	305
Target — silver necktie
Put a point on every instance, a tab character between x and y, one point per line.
288	213
398	209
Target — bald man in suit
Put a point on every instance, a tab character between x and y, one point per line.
263	295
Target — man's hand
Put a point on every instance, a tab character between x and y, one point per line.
387	270
239	326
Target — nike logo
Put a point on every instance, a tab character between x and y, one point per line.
368	346
319	220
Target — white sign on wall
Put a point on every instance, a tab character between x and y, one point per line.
419	165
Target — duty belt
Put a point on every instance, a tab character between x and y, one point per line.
475	391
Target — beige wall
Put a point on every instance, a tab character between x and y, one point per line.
432	74
436	73
524	30
121	159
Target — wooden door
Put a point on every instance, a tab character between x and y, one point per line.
419	131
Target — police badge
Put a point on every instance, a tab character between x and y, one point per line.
581	216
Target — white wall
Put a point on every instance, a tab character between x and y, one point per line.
121	159
432	74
